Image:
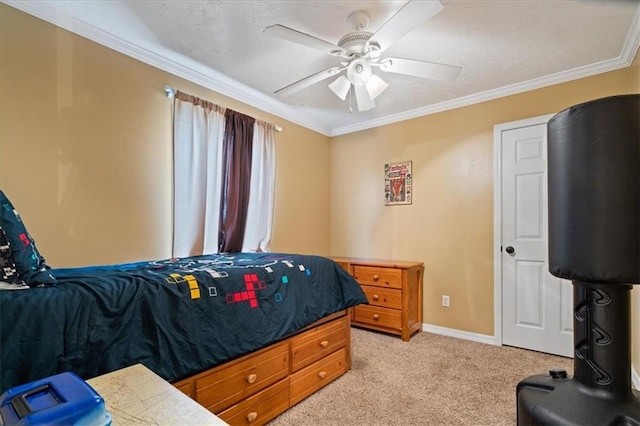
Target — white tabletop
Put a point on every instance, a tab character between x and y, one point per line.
137	396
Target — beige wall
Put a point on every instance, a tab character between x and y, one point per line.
449	226
85	151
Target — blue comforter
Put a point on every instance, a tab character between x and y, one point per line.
176	316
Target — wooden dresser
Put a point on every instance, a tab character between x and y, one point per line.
255	388
394	290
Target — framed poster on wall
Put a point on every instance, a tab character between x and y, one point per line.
398	188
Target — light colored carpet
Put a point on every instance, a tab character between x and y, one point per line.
431	380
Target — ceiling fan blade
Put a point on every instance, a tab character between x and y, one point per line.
296	36
308	81
363	100
340	87
412	14
422	69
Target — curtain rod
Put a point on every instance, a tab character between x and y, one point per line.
171	93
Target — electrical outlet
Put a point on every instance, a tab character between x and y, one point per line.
445	300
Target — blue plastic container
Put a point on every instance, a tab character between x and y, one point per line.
63	399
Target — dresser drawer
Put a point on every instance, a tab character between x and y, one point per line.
308	380
381	317
385	297
261	407
377	276
318	342
186	387
243	377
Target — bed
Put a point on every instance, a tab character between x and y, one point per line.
186	319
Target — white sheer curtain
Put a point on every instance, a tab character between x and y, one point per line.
198	134
257	234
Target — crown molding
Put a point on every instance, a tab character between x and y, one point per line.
171	62
488	95
184	67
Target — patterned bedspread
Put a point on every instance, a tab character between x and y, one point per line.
175	316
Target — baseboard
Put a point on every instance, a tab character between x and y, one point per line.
635	378
466	335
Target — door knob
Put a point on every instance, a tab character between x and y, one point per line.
510	250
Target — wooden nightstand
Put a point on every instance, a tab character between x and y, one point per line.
394	290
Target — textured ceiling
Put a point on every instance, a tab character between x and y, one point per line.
503	47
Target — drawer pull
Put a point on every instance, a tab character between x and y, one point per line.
251	378
376	277
252	416
376	317
322	374
375	297
324	343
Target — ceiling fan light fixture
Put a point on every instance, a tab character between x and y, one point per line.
340	86
359	71
375	86
363	100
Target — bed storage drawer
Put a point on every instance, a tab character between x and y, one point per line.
310	379
243	377
378	276
259	408
186	387
318	342
378	317
385	297
257	387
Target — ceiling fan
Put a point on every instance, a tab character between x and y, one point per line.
360	53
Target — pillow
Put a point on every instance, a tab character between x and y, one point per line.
29	263
8	271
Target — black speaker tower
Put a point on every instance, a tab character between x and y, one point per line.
594	241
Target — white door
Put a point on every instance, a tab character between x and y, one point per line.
536	306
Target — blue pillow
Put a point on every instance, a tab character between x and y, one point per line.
29	263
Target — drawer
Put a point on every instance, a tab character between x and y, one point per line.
381	317
243	377
261	407
385	297
318	342
186	387
308	380
378	276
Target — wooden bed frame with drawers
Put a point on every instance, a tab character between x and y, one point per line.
255	388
